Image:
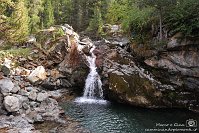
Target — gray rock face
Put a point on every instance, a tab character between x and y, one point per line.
11	103
182	61
42	96
178	41
125	81
6	85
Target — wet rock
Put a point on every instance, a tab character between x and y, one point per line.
11	103
86	50
125	81
6	85
73	76
38	74
42	96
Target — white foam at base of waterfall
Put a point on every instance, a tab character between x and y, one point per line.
85	100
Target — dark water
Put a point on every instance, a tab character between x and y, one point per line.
117	118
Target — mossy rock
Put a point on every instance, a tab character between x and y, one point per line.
134	89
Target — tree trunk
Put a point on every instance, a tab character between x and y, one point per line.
161	36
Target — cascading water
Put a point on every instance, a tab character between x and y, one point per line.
93	86
93	92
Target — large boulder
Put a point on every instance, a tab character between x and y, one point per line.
38	74
6	85
179	61
73	76
125	80
11	103
134	90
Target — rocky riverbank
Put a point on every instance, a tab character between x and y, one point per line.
32	86
55	69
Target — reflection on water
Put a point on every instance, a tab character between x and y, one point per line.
117	118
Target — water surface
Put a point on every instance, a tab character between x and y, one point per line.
118	118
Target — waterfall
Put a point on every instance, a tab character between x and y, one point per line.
93	85
93	92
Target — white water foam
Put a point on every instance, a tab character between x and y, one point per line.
93	92
85	100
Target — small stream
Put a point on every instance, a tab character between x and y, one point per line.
118	118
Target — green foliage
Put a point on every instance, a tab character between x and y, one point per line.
35	8
130	15
19	22
96	22
48	14
4	17
14	53
184	17
144	19
62	11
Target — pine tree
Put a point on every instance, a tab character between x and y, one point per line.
48	14
96	22
19	23
35	8
62	11
4	17
160	6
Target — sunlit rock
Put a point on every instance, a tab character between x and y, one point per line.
38	74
